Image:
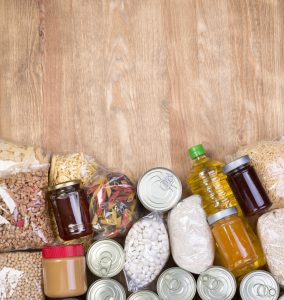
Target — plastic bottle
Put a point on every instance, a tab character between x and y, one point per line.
208	180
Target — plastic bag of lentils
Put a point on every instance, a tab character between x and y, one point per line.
24	216
20	276
146	251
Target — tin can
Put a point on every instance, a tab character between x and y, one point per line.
143	295
176	284
159	189
259	285
216	283
105	258
106	289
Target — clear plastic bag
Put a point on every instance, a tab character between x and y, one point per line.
146	251
72	166
192	244
112	199
24	216
267	157
270	228
21	276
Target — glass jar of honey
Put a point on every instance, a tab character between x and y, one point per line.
71	210
239	248
246	186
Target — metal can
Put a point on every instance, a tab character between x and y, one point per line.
176	284
143	295
159	189
105	258
106	289
259	285
216	283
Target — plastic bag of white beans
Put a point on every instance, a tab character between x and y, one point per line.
146	251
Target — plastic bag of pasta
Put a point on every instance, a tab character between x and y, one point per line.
267	157
112	199
71	166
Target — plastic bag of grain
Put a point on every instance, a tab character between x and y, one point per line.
21	276
191	240
270	229
268	159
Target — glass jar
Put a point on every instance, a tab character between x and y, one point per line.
71	210
64	271
246	186
239	248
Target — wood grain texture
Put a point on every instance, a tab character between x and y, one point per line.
138	82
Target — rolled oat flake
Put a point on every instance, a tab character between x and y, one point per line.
216	283
259	285
176	284
159	189
108	289
143	295
105	258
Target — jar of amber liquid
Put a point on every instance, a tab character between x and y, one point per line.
246	186
71	210
239	248
64	271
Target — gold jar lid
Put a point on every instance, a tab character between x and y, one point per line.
63	185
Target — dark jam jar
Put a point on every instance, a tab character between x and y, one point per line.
246	186
71	210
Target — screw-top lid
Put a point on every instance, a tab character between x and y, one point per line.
63	251
222	214
196	151
243	160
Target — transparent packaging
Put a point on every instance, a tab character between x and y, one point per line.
146	251
112	200
192	244
270	228
21	276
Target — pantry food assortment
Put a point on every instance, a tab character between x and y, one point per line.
64	216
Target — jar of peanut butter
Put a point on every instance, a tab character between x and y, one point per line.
64	271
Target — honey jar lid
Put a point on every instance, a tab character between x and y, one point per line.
243	160
222	214
63	185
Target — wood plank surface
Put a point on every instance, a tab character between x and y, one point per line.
137	82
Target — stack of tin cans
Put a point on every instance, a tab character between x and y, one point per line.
160	190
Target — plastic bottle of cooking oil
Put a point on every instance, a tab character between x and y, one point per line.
208	180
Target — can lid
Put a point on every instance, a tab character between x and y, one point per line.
243	160
196	151
222	214
159	189
216	283
106	289
176	284
142	295
105	258
259	285
64	184
62	251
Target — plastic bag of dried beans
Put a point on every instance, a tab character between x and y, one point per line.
267	157
112	199
24	216
21	276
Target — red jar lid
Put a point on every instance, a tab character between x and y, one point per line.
63	251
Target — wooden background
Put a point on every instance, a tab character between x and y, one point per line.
137	82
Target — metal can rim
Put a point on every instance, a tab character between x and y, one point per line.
143	292
119	285
139	184
92	269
